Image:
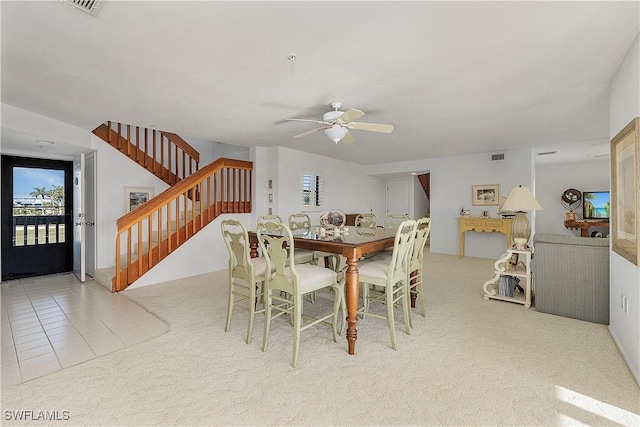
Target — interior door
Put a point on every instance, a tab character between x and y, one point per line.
36	217
90	213
377	198
79	249
397	196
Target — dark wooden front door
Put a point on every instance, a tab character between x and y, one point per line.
37	228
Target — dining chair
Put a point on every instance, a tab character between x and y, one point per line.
288	282
300	222
246	274
366	220
394	220
416	264
270	222
384	281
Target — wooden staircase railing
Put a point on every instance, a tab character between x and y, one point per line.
425	183
164	154
174	216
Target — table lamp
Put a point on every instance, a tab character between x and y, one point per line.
520	200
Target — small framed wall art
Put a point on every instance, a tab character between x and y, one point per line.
134	197
485	195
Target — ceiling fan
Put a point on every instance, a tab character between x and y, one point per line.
336	124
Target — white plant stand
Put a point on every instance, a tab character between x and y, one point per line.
521	270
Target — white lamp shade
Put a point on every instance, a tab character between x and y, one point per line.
336	133
520	200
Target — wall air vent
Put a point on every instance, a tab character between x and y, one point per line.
92	7
497	157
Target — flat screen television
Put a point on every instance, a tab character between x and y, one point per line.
596	205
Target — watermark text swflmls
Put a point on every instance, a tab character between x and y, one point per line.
30	415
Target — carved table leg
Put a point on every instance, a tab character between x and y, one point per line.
352	291
254	248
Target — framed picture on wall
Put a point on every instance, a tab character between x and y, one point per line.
485	195
134	197
625	200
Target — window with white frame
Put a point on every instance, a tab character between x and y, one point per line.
311	190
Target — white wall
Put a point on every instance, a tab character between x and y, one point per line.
114	171
451	181
625	276
212	150
553	179
345	185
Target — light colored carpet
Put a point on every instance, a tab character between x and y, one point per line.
469	362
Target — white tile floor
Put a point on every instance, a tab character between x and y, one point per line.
53	322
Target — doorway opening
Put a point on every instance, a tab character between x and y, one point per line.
36	212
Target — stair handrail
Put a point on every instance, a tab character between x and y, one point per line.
224	186
178	189
184	145
168	156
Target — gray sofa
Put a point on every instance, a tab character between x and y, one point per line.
571	276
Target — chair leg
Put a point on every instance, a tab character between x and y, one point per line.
408	288
252	315
365	297
296	329
406	308
267	320
420	290
337	305
392	329
229	308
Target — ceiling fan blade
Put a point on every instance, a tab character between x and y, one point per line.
311	131
350	115
348	137
310	120
373	127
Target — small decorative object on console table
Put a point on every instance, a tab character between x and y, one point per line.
520	200
508	277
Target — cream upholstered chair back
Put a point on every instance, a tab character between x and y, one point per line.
394	220
269	220
366	220
299	221
422	235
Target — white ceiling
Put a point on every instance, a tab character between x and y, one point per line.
452	77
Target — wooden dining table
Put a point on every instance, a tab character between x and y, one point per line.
352	245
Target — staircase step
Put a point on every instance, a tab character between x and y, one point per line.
104	276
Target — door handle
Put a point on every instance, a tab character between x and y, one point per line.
91	224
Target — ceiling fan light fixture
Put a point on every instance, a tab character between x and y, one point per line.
336	133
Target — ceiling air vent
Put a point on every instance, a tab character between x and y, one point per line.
497	157
92	7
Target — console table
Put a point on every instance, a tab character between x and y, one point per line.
584	225
487	225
